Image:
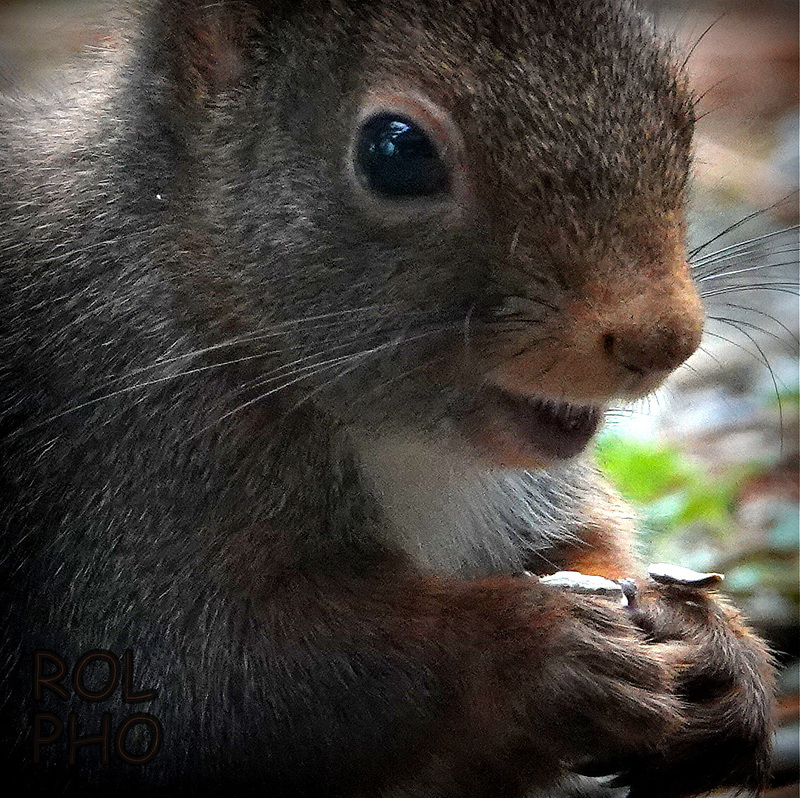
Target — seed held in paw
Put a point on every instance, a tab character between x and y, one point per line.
678	576
576	582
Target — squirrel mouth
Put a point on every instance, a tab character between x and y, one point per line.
534	429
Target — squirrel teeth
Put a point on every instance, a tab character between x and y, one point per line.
568	415
553	429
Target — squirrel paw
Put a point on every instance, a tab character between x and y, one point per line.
724	681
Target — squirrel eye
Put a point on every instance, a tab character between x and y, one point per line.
397	158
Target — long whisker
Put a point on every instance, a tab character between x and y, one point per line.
316	368
761	358
291	367
273	331
745	254
769	316
358	361
156	381
700	39
735	247
138	386
708	353
772	376
308	371
782	287
739	323
721	274
736	225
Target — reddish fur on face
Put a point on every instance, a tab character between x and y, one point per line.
159	500
627	319
210	52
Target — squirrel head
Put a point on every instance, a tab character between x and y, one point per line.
480	203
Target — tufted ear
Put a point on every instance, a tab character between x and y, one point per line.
209	43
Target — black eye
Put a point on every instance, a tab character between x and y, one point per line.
398	159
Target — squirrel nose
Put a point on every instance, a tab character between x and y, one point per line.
645	352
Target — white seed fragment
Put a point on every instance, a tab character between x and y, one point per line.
576	582
667	574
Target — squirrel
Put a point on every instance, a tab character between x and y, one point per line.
310	312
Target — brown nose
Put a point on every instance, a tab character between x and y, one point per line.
646	351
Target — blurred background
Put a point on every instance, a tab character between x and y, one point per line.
711	461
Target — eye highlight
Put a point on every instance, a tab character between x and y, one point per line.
396	158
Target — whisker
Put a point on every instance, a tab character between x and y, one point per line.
273	331
327	384
739	323
748	253
760	358
290	368
690	368
403	374
772	318
737	246
528	346
722	274
700	39
131	388
149	383
730	228
779	287
310	371
773	378
614	412
317	368
708	353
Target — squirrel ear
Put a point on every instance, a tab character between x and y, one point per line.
209	43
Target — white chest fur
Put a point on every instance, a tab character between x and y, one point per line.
451	516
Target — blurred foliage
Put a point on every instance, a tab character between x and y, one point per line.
671	490
740	516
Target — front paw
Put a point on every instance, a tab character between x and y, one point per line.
725	684
609	694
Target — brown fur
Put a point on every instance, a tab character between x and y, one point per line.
322	564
